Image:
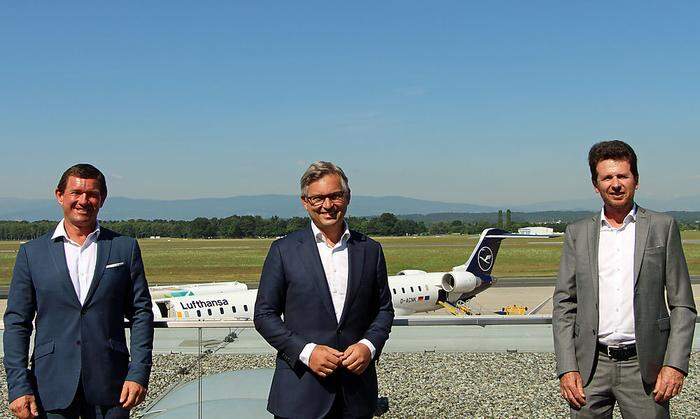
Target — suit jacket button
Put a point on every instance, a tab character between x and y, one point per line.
77	342
82	312
339	331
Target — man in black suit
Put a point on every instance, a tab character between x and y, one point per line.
324	304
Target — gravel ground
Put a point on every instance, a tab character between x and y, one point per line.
430	385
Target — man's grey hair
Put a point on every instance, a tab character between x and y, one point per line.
319	169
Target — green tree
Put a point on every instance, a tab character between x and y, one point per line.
457	226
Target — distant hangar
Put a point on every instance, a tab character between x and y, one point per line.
540	231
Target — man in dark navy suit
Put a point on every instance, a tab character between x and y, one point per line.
324	304
78	283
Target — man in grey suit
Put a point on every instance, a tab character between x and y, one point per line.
74	286
614	338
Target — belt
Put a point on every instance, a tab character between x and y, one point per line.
618	352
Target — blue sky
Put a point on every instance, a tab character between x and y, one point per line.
480	102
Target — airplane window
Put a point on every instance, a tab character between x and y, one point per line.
199	313
403	290
233	308
394	289
209	311
419	288
411	289
245	307
221	309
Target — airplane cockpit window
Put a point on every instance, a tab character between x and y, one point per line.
233	308
394	289
199	313
411	289
419	288
245	307
209	311
403	290
221	309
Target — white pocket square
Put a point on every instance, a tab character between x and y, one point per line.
114	265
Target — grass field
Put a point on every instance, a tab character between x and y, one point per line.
171	261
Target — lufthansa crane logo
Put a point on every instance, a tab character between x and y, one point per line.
485	258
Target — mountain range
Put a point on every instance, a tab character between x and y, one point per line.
285	206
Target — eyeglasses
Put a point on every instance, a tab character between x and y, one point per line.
318	200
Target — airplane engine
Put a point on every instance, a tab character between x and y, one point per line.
460	282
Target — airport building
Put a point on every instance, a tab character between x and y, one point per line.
544	231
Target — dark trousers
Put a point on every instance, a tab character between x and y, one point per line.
79	408
339	409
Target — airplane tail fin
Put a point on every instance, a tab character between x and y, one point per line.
483	257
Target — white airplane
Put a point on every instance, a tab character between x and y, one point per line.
412	291
169	291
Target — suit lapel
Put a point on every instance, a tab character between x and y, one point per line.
104	245
58	254
356	260
641	232
312	262
593	242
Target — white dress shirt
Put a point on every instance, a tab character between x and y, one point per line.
616	280
81	260
335	266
